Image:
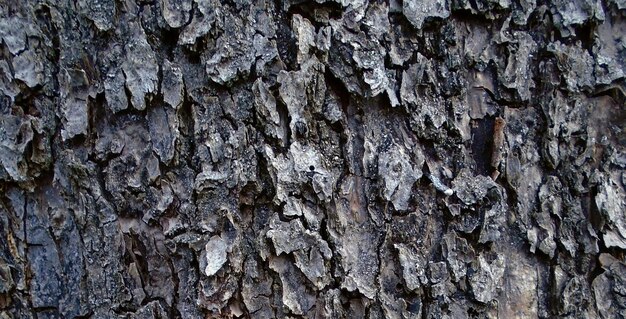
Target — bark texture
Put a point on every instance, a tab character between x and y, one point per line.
315	159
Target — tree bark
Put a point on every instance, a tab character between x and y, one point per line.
316	159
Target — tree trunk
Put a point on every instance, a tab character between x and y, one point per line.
317	159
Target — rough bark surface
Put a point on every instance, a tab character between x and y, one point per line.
316	159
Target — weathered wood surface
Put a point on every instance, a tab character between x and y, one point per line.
318	159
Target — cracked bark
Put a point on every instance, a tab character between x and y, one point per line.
321	159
